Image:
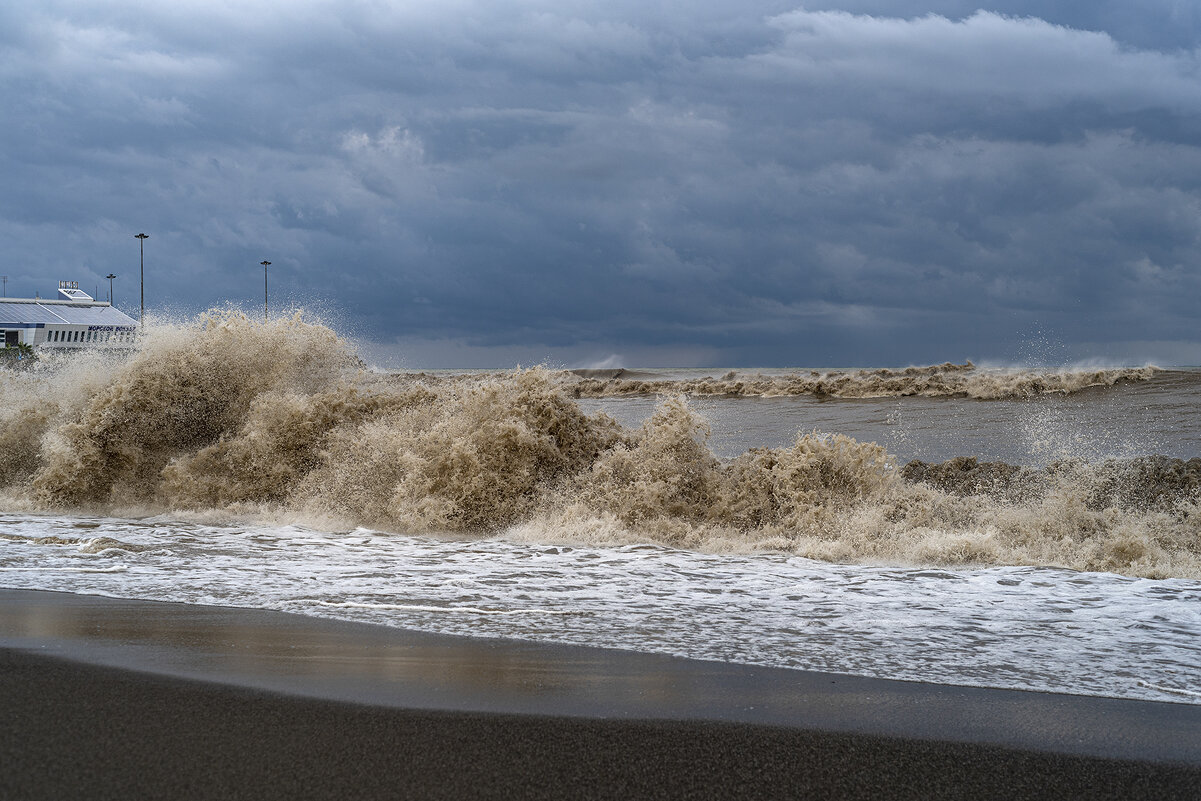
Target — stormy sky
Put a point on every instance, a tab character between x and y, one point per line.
705	183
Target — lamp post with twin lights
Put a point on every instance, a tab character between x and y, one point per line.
142	308
265	264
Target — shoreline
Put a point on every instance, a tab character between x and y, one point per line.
499	718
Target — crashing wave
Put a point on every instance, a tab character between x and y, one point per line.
238	418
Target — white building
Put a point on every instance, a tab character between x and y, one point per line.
73	320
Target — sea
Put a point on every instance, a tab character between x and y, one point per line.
1015	526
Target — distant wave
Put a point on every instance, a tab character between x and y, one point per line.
236	418
935	381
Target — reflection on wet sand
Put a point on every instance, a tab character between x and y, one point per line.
377	665
311	656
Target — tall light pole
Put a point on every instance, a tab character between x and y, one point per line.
265	264
5	279
142	308
110	278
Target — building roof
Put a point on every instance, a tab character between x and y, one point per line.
24	312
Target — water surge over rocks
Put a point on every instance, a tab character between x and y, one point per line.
239	419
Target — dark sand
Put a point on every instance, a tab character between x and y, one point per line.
105	698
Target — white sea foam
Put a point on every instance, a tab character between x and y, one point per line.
1024	627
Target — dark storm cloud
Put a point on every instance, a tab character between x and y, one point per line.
703	182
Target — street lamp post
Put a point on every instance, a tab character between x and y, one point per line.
265	264
142	308
110	278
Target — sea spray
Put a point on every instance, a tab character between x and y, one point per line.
230	418
186	388
468	458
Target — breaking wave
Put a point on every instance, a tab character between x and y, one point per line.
279	420
935	381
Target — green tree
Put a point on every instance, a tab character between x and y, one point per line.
20	354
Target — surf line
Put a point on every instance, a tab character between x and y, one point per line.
113	569
1175	690
473	610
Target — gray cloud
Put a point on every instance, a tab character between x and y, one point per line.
582	181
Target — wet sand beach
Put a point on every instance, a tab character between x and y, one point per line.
107	698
